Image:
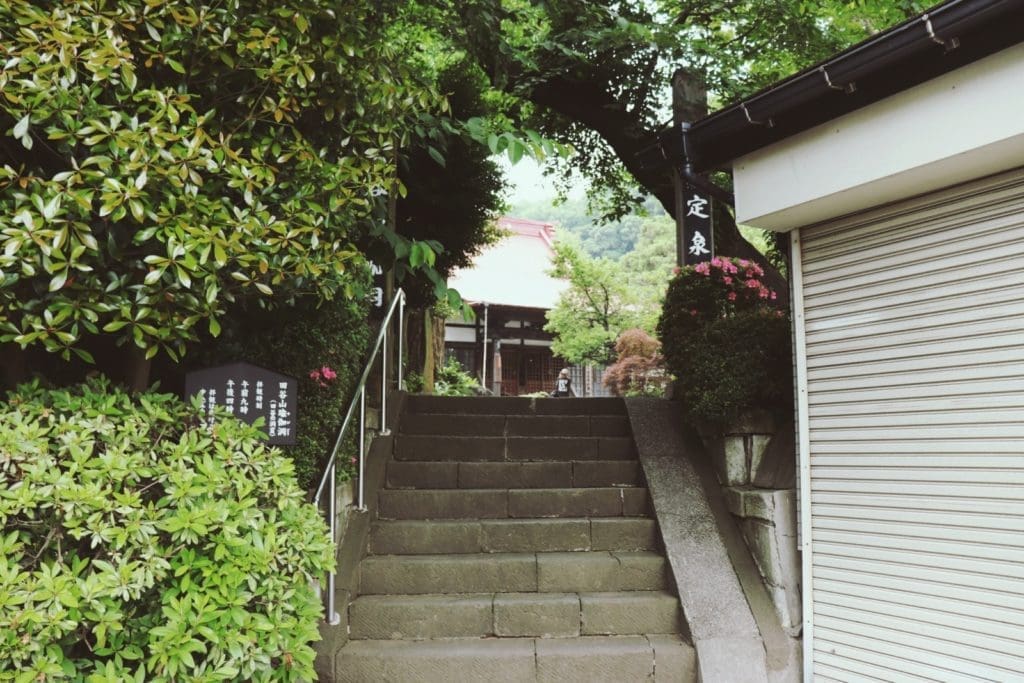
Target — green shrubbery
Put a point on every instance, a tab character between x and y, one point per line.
726	341
452	380
139	545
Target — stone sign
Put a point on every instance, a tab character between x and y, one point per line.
249	392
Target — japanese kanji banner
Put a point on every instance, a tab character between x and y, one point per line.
249	392
698	235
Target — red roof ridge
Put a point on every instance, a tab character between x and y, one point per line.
528	227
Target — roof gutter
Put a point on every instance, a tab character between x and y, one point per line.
946	37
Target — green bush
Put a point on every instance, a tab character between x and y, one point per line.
300	341
726	342
138	545
452	380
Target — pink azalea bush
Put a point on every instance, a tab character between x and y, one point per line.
323	376
726	340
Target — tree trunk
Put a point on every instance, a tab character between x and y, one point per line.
437	348
136	372
13	366
428	352
414	339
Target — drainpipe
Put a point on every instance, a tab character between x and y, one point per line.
483	377
691	176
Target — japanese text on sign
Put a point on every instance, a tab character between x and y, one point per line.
249	393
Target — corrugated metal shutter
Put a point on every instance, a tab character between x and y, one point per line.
914	325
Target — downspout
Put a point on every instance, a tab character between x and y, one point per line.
690	175
483	376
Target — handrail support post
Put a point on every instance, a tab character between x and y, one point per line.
332	509
384	388
401	324
362	446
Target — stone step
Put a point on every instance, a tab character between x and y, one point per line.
512	405
454	424
588	659
514	503
506	475
556	572
433	448
417	537
513	615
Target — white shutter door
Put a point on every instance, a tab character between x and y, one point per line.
914	326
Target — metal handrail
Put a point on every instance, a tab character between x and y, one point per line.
359	399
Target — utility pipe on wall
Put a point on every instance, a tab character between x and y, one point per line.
483	377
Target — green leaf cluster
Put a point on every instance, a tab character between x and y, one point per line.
162	160
597	305
139	544
452	380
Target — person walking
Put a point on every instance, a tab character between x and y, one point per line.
563	385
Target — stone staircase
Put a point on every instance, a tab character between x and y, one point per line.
514	542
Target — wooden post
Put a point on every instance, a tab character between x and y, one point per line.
689	103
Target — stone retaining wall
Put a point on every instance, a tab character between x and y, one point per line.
755	464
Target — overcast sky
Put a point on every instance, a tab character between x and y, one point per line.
527	181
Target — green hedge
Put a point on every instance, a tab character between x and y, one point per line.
139	545
726	342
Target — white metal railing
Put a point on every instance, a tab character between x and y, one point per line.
329	477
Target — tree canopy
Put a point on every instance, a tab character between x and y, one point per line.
163	159
596	75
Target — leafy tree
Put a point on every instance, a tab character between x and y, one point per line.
162	160
454	187
596	74
591	313
648	267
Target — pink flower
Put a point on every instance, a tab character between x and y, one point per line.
744	263
702	268
774	296
693	311
727	280
315	375
328	373
732	269
732	296
763	293
675	271
753	284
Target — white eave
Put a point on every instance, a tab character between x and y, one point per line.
965	124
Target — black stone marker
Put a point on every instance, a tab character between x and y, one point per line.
249	392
